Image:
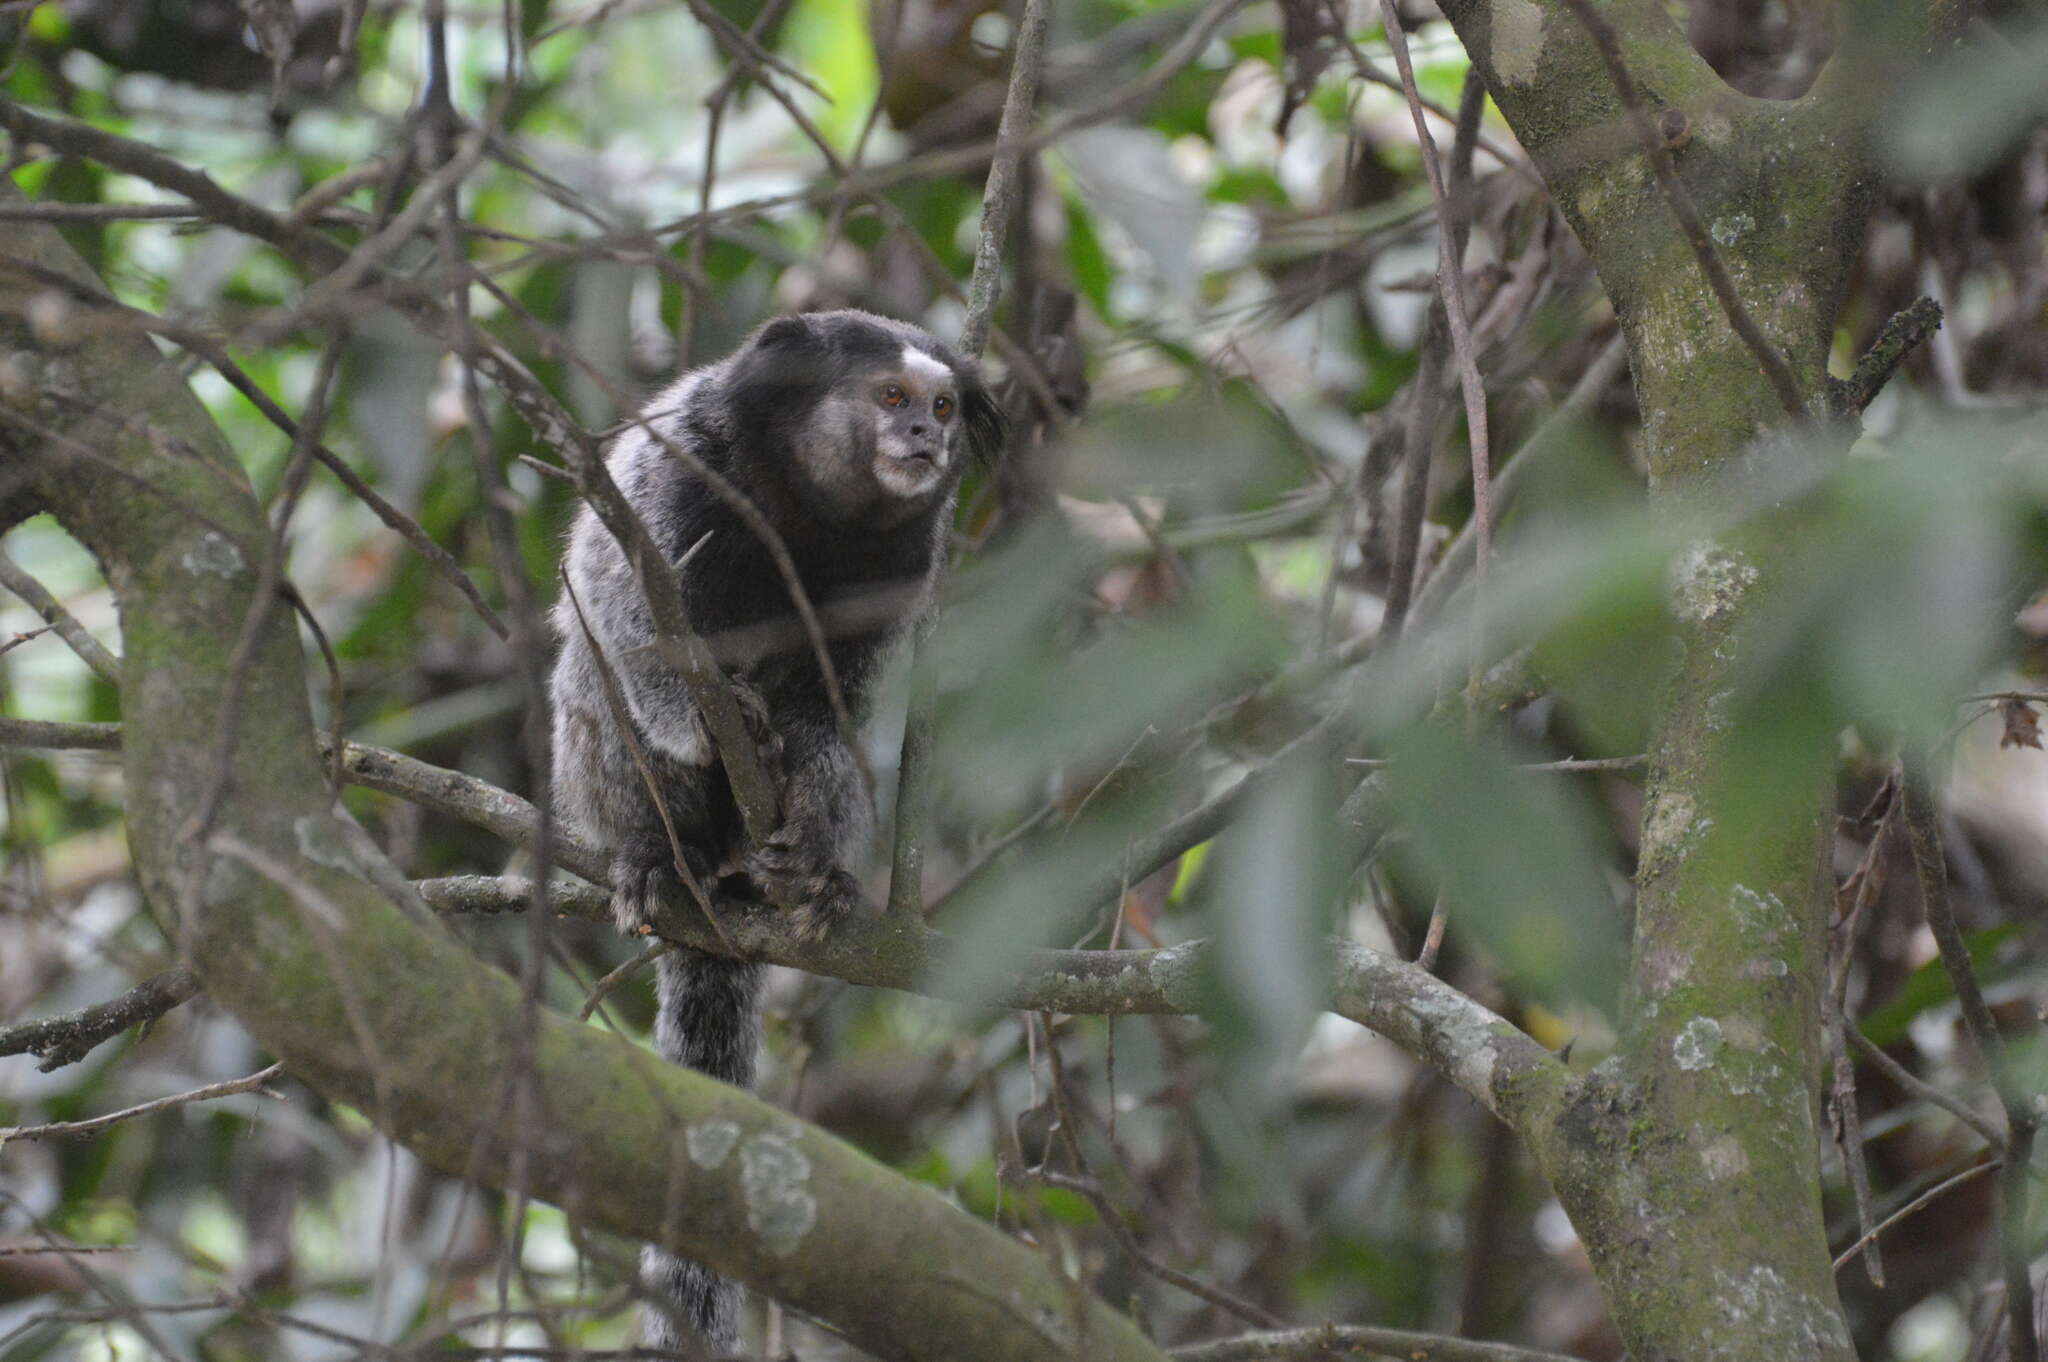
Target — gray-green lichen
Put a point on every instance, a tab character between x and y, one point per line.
710	1141
1517	40
1708	581
1693	1048
775	1180
215	553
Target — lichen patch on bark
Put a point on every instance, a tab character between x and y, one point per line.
710	1141
1517	40
775	1180
1694	1047
1708	581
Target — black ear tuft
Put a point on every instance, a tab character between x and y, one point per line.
987	427
786	333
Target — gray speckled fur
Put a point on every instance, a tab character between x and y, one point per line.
794	418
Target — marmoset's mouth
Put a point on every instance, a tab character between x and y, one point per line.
909	472
915	458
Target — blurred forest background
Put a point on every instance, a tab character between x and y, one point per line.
1214	343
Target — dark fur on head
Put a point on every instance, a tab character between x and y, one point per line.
848	432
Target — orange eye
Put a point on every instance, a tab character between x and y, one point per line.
942	406
893	395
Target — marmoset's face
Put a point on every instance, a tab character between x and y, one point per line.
916	415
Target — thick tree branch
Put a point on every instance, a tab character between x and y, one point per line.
1484	1055
1656	141
1476	1049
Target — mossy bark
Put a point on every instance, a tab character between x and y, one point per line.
1690	1160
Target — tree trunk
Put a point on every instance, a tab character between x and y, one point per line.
1690	1160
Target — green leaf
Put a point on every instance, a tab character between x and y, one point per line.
1519	856
1970	109
1089	263
1928	987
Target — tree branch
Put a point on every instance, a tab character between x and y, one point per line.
67	1039
2021	1117
1335	1340
998	206
1656	144
233	1087
37	598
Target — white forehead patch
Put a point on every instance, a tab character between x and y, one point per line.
917	361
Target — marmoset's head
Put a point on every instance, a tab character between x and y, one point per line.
870	419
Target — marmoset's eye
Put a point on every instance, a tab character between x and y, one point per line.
893	396
942	406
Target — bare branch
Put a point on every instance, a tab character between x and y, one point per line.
1912	1207
1904	333
253	1083
67	1039
1346	1340
913	767
1925	1091
998	198
1450	283
37	598
2021	1118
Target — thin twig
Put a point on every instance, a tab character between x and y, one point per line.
622	718
1868	879
681	646
1848	1130
1457	559
34	595
999	195
1084	1182
2021	1121
252	1083
1348	1340
1450	282
1919	1087
604	986
913	768
742	505
1913	1206
1568	765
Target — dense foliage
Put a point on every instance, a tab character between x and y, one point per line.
1239	467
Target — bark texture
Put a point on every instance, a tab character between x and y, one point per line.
1689	1162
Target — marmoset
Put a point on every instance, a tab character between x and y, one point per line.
848	432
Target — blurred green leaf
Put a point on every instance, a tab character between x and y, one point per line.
1968	111
1928	987
1519	857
